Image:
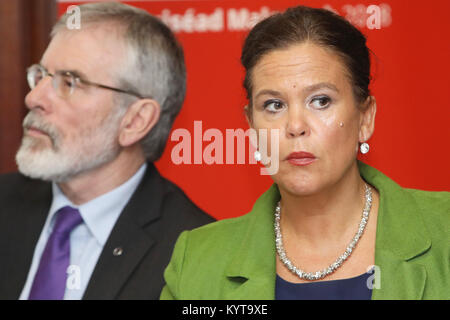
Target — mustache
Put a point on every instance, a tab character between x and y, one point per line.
32	120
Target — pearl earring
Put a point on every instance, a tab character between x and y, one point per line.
341	124
364	148
257	155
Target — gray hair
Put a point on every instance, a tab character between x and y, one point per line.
155	66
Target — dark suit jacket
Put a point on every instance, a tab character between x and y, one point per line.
146	230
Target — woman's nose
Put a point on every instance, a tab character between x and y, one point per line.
297	124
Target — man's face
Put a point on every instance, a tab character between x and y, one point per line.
66	136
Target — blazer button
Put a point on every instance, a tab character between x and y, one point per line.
118	251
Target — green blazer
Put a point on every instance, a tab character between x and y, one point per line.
235	258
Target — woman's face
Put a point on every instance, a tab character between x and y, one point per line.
304	91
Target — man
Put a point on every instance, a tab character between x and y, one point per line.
89	217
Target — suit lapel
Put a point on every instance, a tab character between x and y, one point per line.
129	238
254	288
398	279
125	248
401	237
26	218
252	271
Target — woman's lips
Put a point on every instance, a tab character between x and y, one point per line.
301	158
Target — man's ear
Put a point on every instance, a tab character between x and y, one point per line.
139	119
367	119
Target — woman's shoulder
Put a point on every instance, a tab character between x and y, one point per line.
434	207
200	258
424	195
226	230
433	202
232	230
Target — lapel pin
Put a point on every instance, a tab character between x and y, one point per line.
118	251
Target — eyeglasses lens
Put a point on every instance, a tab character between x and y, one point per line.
64	84
34	75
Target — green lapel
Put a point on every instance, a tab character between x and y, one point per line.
401	236
399	279
253	266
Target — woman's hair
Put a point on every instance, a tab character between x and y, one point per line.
319	26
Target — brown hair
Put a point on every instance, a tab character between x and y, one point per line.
320	26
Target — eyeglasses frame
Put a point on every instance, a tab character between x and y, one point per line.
86	82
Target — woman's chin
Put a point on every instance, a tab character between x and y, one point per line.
299	188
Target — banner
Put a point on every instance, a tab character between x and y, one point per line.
411	67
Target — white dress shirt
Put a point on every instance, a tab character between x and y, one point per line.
87	239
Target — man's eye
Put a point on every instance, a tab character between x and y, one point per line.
321	102
273	105
68	81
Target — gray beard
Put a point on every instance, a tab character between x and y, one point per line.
62	162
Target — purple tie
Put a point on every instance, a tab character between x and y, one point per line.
50	279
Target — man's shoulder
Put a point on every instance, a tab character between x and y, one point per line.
12	183
176	203
18	192
12	177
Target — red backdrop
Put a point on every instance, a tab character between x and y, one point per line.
411	84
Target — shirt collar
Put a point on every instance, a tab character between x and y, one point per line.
100	214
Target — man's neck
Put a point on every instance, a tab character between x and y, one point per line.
94	183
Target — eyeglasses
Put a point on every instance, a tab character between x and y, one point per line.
65	82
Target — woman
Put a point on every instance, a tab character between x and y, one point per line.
330	227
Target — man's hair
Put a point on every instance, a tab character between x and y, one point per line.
155	66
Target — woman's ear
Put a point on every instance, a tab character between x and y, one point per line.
139	119
248	115
367	119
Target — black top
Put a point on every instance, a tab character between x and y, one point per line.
345	289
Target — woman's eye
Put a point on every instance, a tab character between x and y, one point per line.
273	105
321	102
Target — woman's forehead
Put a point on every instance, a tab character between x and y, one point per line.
299	65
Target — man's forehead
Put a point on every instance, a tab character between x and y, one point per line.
90	51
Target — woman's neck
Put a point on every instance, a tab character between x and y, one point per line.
327	216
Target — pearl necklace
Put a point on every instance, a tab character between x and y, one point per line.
311	276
